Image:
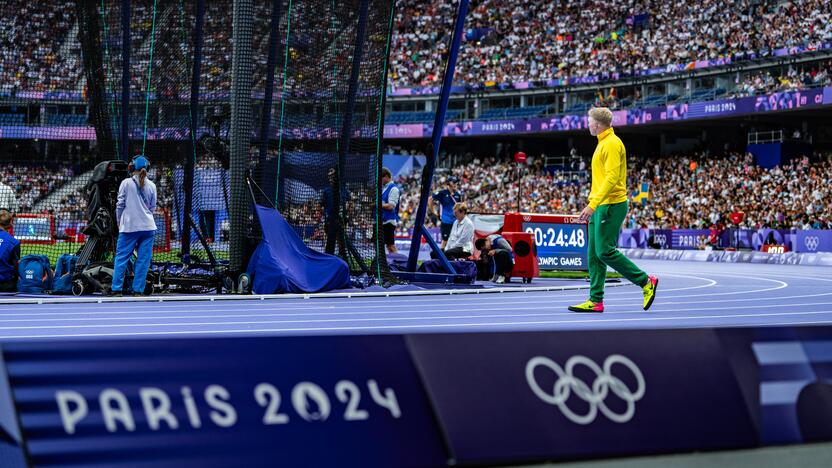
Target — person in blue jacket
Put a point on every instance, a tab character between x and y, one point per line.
447	198
9	254
390	205
136	226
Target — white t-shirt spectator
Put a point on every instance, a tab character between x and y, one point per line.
462	235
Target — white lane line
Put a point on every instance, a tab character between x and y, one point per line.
283	297
256	303
264	322
318	302
782	285
510	302
363	318
791	276
391	315
462	326
301	311
411	295
748	299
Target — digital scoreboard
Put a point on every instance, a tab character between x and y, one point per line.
561	241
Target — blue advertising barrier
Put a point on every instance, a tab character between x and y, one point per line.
313	401
11	443
779	101
416	400
634	238
813	241
689	239
502	397
795	383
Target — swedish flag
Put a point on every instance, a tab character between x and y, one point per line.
642	193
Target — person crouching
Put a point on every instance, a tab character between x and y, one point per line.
498	250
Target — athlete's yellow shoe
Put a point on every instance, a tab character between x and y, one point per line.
588	306
649	290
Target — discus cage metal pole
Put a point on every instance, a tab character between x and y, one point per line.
268	100
346	133
125	80
436	139
188	177
242	68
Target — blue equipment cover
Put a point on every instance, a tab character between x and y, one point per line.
463	267
282	263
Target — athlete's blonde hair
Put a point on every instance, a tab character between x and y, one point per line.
601	115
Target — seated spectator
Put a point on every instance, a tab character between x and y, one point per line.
495	248
9	254
461	238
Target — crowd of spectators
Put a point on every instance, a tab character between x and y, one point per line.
491	186
32	183
31	55
695	191
505	41
37	52
686	191
534	40
794	79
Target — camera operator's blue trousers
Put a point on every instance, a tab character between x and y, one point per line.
142	243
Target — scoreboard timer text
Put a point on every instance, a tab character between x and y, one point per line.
560	240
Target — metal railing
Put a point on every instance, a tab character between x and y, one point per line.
774	136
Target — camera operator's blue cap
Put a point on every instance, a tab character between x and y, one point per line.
140	162
453	179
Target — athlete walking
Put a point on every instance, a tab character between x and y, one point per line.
606	212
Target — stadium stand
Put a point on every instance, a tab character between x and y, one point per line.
505	41
30	46
796	78
537	40
680	197
33	182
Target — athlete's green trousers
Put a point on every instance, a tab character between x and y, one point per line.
604	227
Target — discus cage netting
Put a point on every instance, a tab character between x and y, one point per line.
315	144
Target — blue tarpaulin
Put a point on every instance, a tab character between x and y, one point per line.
282	263
462	267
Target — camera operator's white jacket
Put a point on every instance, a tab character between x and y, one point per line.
134	211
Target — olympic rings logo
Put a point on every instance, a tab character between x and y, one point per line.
811	242
660	239
595	396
